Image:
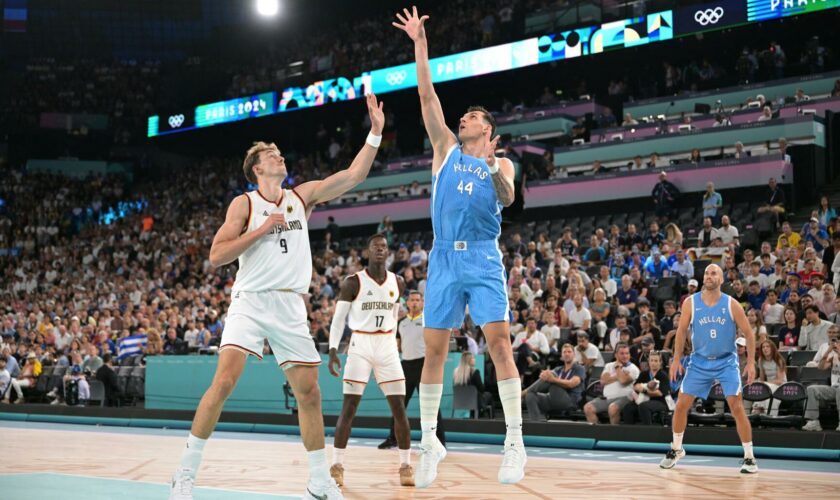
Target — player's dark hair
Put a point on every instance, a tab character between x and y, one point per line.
621	345
487	117
376	237
813	308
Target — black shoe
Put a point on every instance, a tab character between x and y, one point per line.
387	444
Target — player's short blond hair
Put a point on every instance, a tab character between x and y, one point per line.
252	158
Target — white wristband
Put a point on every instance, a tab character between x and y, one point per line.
494	167
374	140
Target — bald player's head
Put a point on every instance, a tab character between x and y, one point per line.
712	277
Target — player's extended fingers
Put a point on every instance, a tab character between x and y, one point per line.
398	25
424	19
407	13
401	18
414	10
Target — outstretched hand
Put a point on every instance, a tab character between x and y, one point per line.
377	116
490	151
412	24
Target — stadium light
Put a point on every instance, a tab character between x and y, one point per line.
268	8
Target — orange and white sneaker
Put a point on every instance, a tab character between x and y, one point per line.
406	475
337	473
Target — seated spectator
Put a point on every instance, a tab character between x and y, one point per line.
5	380
833	335
670	335
92	361
649	393
826	212
759	331
727	232
586	354
816	235
740	153
640	353
28	377
173	344
529	344
823	393
609	340
595	254
695	158
827	302
467	374
754	274
772	311
550	329
607	283
772	371
648	329
557	390
755	295
579	317
655	266
766	114
707	234
629	120
600	311
617	378
76	388
814	331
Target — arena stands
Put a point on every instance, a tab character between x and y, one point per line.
118	265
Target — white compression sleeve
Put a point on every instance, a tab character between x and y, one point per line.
342	308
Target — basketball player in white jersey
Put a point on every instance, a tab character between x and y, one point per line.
372	299
267	231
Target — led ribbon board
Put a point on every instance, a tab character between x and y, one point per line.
578	42
760	10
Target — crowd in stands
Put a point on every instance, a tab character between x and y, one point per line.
77	290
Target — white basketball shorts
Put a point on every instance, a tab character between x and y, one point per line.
278	316
377	352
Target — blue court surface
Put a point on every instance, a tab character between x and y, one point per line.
85	487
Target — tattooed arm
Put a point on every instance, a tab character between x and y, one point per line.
501	172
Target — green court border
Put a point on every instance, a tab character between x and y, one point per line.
462	437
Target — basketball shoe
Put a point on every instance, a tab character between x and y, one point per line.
748	466
671	459
337	473
182	485
406	475
513	464
329	491
430	456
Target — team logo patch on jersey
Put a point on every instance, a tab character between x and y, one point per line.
289	209
391	293
265	213
370	292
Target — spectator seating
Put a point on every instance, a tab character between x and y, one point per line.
793	398
800	358
97	393
715	396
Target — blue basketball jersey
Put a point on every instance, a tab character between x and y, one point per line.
713	330
464	203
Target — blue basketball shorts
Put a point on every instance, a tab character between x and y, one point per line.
465	273
702	373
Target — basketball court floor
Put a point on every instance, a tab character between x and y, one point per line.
74	462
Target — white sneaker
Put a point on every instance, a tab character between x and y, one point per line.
430	456
330	491
182	485
513	464
671	458
812	425
748	466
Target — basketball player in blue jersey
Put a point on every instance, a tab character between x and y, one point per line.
713	318
469	188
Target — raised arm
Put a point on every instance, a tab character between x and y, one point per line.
229	242
439	134
332	187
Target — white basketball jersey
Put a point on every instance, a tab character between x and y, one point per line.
372	311
281	259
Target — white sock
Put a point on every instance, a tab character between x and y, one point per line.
429	406
510	392
748	452
676	444
318	470
191	456
405	457
338	455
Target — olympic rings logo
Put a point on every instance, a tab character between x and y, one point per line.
708	16
395	77
176	121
